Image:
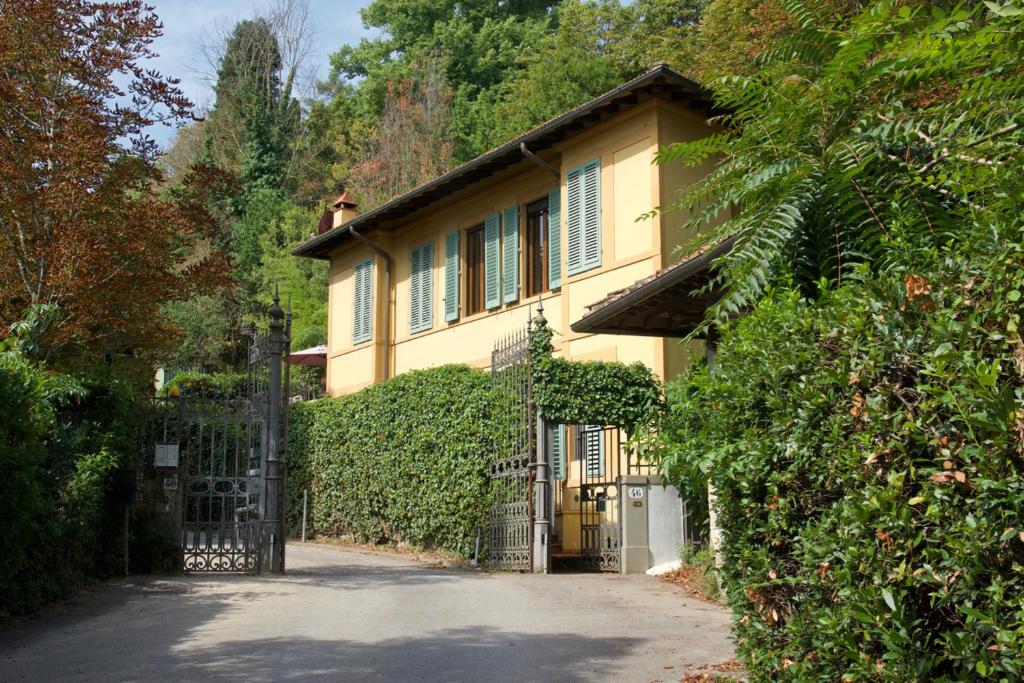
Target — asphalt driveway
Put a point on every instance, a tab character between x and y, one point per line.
345	615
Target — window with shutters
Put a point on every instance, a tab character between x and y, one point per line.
475	270
421	288
535	280
591	450
362	323
556	450
583	217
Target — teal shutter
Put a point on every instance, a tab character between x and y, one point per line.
583	219
593	450
421	288
555	237
556	439
492	262
451	276
362	324
510	255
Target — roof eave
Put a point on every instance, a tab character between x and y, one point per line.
321	245
597	321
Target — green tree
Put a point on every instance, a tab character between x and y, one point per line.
901	121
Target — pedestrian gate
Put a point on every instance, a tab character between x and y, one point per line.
229	453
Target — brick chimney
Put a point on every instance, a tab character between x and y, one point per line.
344	209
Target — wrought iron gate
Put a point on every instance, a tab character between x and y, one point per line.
229	455
510	518
221	452
600	515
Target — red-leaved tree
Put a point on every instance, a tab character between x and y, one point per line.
82	224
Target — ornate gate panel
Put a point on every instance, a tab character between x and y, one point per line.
221	506
510	518
600	515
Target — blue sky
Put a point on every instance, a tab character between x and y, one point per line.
188	22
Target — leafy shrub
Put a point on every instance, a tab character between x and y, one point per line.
866	449
59	532
213	385
401	461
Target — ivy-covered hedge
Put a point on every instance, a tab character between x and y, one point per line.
403	461
867	451
593	392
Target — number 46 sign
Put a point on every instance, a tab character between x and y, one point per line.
636	492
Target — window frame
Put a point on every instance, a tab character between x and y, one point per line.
475	268
532	234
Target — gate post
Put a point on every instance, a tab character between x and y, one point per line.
273	526
541	525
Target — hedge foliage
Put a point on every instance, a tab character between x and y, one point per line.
59	531
402	461
592	392
867	451
208	385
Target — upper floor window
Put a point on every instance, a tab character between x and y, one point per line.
535	243
362	320
583	217
475	270
421	288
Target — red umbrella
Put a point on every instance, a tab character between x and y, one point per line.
316	355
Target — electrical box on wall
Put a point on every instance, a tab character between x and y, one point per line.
166	455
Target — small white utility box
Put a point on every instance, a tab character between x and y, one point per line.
166	455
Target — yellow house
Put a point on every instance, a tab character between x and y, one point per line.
436	275
563	212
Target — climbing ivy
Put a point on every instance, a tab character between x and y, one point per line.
402	461
592	392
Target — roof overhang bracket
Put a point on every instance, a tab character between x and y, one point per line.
540	162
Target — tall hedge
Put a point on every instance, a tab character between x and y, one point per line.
403	461
867	451
62	521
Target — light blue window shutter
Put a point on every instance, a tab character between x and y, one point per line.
583	217
510	255
421	288
362	324
451	276
555	238
414	289
592	214
593	450
556	437
492	262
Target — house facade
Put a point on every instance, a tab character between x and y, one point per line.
564	214
435	276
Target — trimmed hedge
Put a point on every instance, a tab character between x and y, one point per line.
867	451
403	461
208	385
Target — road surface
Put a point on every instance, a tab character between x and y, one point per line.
346	615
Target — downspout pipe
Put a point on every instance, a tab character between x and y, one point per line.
540	162
387	290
